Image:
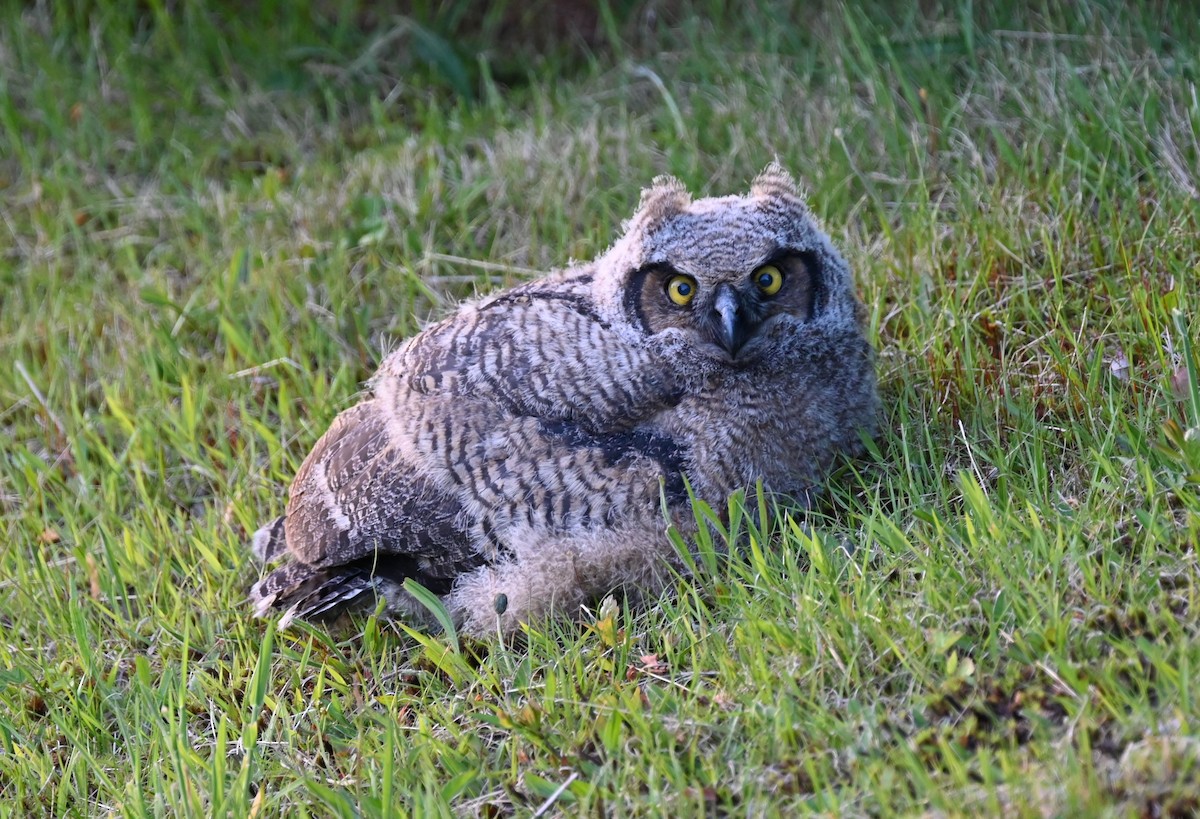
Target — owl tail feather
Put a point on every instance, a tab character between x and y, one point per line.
308	592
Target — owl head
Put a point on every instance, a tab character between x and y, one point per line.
723	278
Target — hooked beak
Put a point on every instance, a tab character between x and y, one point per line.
731	324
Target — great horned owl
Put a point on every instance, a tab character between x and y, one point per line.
514	457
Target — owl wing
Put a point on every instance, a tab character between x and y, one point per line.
536	409
530	400
356	498
541	351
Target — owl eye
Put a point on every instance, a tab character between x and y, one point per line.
769	279
681	289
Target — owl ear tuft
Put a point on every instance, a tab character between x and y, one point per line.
775	181
665	197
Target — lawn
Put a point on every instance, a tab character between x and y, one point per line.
214	224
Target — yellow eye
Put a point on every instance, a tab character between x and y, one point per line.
769	279
681	289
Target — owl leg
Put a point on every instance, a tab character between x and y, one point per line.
557	573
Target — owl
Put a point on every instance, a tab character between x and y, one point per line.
525	456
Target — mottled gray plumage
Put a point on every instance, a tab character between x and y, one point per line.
519	450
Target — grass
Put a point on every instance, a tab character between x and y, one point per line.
210	233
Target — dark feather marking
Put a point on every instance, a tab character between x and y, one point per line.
814	267
620	446
275	541
485	474
820	288
446	443
489	534
576	301
564	511
501	387
633	299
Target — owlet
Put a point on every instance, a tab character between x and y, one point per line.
515	458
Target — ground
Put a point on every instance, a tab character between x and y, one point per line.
213	226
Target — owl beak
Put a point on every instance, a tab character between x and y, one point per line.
731	324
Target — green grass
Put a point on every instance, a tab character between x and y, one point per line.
210	233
